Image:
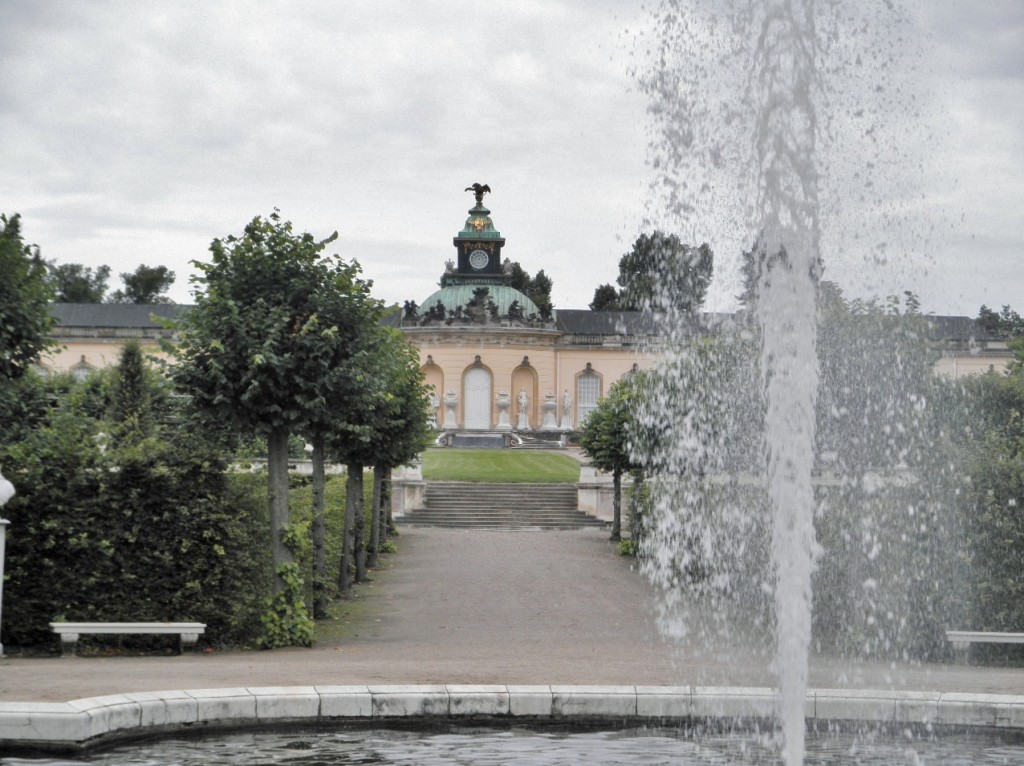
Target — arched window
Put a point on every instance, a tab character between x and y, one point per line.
81	369
588	392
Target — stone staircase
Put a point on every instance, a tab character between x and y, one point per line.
532	442
499	506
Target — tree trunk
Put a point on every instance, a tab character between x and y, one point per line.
375	516
345	561
319	551
358	542
277	485
636	509
389	522
616	504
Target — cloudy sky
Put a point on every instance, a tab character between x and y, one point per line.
136	132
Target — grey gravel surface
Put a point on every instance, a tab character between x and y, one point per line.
469	606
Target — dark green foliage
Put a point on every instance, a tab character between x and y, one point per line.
606	298
994	517
131	402
888	580
147	530
147	284
25	294
269	340
605	437
286	621
662	274
1005	324
536	288
77	283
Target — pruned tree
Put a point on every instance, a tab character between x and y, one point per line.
605	439
272	318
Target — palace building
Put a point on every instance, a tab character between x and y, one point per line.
495	361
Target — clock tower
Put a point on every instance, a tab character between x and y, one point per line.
478	246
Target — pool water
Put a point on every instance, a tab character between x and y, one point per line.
482	747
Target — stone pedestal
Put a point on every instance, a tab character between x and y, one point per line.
451	401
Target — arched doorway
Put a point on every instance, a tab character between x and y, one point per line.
476	399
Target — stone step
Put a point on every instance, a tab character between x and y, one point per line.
500	506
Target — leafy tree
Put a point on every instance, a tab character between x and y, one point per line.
145	285
76	283
606	298
385	425
272	319
403	430
1005	324
536	288
659	274
605	439
25	294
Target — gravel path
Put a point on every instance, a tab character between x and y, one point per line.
469	606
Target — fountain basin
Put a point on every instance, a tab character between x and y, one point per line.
80	725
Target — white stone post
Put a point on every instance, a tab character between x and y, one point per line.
6	493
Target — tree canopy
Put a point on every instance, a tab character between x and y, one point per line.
147	284
273	319
660	274
25	294
537	288
1004	324
77	283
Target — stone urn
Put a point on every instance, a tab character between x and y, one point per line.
549	407
504	403
451	401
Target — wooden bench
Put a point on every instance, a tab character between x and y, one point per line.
962	640
188	632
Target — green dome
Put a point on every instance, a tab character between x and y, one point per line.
454	296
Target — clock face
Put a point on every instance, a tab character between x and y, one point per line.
478	259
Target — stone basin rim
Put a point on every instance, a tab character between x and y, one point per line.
84	724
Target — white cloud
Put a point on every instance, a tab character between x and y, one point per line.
137	132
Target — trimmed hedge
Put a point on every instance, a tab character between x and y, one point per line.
154	530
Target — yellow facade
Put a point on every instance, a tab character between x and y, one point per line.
516	360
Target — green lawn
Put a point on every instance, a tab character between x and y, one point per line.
487	465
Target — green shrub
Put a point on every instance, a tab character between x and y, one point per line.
155	530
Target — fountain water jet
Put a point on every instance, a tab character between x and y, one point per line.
774	112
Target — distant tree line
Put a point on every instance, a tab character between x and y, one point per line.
77	283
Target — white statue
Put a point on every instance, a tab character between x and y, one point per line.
6	490
566	410
523	398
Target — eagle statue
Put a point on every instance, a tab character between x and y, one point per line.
479	190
